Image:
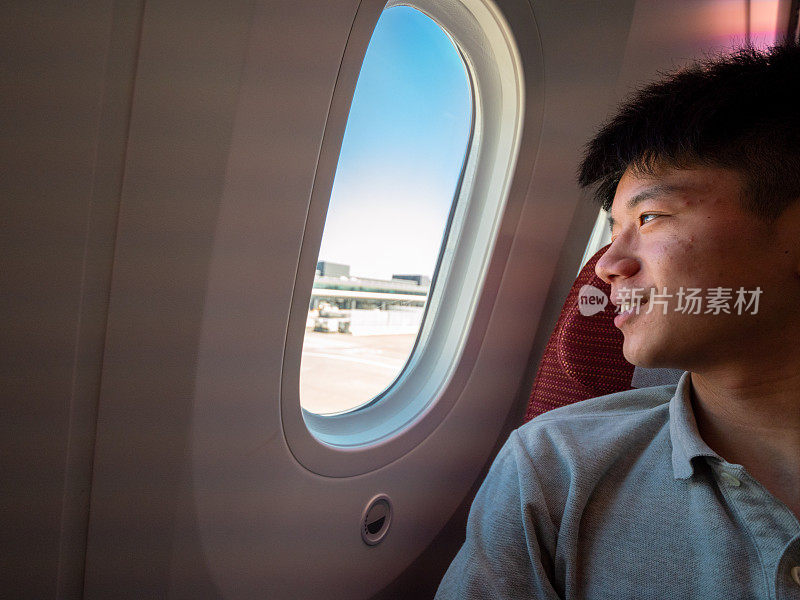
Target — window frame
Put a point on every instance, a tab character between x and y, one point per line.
599	237
469	267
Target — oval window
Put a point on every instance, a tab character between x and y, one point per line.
394	190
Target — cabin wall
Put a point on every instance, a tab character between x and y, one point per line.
68	71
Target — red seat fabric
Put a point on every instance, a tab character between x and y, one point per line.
583	357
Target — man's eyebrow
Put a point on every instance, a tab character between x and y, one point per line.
652	192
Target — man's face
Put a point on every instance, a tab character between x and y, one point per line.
685	229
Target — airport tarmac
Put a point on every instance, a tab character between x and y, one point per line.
339	372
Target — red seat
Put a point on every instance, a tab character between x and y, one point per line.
583	358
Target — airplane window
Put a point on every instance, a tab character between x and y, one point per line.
396	182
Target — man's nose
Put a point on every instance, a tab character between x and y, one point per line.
616	263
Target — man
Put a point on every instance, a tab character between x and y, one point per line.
687	491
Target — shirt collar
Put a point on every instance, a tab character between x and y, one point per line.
686	441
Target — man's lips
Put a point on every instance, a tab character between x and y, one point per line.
641	302
641	295
633	309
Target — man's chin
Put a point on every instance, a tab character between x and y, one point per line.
649	357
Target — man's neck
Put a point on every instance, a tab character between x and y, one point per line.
754	421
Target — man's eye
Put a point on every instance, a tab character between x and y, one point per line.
646	218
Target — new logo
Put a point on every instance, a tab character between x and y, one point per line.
591	300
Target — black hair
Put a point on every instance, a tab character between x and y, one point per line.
739	111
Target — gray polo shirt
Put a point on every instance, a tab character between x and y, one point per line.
619	498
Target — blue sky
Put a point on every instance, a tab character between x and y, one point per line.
402	151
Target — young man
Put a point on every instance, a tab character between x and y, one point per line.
687	491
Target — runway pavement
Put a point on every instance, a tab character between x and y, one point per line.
339	372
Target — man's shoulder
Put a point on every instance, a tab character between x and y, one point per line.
618	404
604	417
